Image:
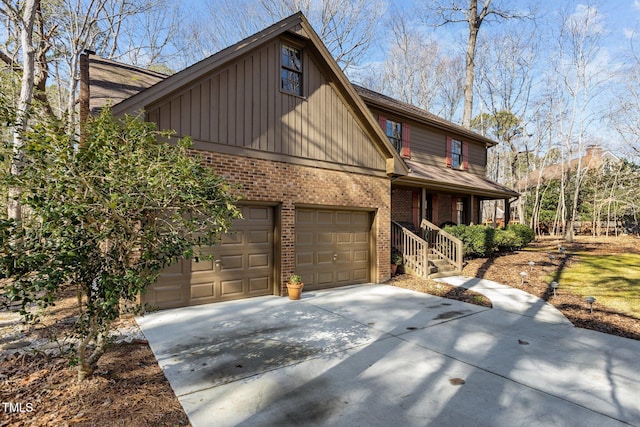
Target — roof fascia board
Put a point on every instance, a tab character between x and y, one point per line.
453	129
397	166
174	82
448	187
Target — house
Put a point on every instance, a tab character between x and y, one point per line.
547	180
324	166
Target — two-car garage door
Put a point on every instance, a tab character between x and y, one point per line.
332	248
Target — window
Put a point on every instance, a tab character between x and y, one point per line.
291	70
394	132
456	154
398	134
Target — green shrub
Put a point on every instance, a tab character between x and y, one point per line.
523	232
481	241
478	240
507	240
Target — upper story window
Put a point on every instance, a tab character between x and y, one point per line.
457	156
394	133
398	134
291	70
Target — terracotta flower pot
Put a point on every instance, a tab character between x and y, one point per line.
294	290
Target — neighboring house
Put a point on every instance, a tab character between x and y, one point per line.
594	159
323	166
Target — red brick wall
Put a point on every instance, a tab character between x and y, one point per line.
402	204
289	185
445	212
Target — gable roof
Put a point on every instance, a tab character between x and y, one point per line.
113	82
296	24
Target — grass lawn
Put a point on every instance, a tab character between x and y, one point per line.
613	279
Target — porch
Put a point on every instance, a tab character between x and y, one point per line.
419	214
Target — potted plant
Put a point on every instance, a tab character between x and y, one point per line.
396	260
294	286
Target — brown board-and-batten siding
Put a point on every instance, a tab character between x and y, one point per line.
240	106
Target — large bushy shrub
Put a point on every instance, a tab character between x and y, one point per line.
481	241
104	219
524	233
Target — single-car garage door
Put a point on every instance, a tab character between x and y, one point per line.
333	247
242	266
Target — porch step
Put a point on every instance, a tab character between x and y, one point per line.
440	274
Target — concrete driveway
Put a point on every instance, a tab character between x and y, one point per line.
377	355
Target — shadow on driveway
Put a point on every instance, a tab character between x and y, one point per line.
376	355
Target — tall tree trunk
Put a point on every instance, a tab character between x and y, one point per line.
470	67
26	22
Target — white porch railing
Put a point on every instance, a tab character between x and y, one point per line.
443	245
414	249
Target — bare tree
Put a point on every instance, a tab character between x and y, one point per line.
583	73
347	27
625	108
135	30
506	69
415	69
443	12
24	17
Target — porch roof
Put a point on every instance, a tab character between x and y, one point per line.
446	179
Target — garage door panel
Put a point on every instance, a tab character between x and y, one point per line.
202	290
233	238
257	237
360	256
259	284
325	218
324	257
361	220
343	276
173	270
167	297
258	260
304	259
257	213
304	217
362	237
231	262
231	287
344	238
343	257
361	275
202	265
324	238
344	218
325	277
304	238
